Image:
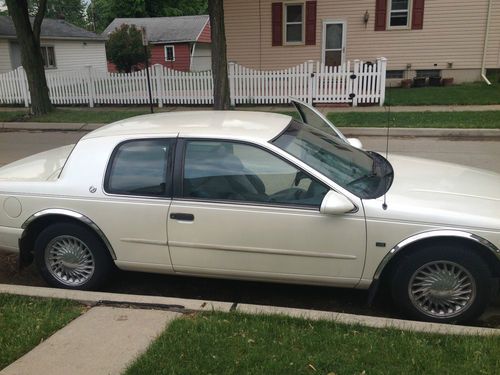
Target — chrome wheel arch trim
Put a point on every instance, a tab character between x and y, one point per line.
72	214
447	233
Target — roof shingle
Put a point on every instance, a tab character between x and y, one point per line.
164	29
51	28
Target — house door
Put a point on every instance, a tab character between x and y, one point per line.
333	43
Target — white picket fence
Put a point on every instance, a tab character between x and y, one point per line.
357	83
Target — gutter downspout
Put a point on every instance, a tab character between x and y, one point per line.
485	47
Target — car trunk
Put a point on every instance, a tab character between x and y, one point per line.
44	166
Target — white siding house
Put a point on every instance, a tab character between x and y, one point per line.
64	46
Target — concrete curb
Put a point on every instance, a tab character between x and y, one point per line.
201	305
349	131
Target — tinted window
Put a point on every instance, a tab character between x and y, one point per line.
239	172
140	168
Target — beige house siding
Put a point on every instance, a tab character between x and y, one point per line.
202	57
78	54
493	50
453	32
70	54
4	56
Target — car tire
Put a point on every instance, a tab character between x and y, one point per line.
71	256
442	283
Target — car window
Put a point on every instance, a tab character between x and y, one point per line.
140	167
240	172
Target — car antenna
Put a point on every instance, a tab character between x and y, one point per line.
388	110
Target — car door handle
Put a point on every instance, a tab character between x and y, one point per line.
182	217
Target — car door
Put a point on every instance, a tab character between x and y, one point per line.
241	211
138	187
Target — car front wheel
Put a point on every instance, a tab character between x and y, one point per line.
442	283
71	256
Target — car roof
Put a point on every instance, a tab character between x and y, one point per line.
261	126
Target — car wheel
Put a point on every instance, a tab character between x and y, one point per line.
442	283
71	256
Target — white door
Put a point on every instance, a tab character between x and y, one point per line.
334	36
246	213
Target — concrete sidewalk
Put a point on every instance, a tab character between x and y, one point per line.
104	340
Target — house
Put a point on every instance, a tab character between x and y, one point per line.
459	39
64	46
180	43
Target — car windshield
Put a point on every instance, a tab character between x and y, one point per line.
365	174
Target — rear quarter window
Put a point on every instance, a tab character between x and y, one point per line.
142	168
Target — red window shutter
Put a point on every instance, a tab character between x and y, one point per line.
417	19
310	23
380	15
277	20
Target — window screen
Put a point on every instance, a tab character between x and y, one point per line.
294	23
399	13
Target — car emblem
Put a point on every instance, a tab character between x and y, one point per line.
92	189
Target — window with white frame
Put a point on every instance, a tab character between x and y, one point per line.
48	56
294	23
169	53
399	13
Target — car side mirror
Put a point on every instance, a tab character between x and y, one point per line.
336	204
355	142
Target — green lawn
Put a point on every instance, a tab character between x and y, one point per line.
25	322
465	94
487	119
218	343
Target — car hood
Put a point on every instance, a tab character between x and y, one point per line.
442	193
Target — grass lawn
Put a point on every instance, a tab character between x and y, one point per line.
487	119
218	343
465	94
26	321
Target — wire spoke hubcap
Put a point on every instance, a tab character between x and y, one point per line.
442	289
69	260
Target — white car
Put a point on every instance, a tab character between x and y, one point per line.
256	196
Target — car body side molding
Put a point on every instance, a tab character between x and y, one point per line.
75	215
448	233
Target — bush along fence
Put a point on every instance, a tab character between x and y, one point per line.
355	82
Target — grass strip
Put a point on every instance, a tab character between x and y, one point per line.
459	120
478	93
25	322
218	343
480	119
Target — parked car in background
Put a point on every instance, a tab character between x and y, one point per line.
255	196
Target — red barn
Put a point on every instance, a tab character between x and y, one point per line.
180	43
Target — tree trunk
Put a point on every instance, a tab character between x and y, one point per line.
28	37
219	56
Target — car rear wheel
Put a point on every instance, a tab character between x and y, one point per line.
442	283
71	256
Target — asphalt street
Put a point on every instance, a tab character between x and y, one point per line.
473	152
